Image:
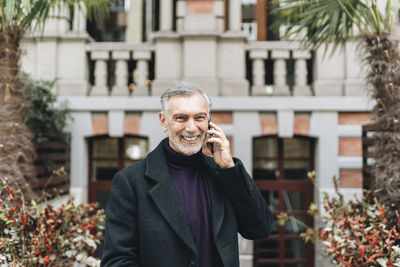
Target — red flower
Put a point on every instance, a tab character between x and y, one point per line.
361	250
37	252
46	260
10	191
382	212
49	249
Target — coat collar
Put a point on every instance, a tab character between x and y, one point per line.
166	199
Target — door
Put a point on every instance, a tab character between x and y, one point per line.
107	156
280	167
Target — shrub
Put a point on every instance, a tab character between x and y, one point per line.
355	232
32	234
42	114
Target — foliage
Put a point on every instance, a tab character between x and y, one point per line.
43	115
333	21
23	13
31	235
355	233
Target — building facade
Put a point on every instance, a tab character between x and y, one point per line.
286	109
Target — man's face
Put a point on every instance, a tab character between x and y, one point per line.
186	123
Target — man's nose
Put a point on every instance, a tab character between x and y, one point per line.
190	126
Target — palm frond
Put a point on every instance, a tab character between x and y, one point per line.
27	13
330	21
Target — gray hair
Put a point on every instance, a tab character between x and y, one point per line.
182	89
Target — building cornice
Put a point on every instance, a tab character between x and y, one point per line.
256	103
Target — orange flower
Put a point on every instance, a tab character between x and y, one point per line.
382	212
361	250
46	260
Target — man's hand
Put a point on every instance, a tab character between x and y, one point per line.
222	150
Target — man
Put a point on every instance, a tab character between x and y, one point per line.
179	207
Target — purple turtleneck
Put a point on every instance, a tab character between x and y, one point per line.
192	189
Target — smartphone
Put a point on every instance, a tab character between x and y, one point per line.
209	128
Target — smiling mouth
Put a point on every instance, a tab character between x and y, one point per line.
190	139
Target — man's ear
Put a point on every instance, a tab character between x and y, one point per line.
163	123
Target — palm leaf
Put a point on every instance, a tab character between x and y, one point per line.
329	21
10	10
34	13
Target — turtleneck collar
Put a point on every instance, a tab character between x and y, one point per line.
179	160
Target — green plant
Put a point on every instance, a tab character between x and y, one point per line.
43	114
17	152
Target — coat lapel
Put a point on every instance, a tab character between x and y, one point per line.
165	197
216	196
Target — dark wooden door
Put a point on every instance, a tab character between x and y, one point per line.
107	156
280	169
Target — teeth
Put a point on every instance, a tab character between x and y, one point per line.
189	138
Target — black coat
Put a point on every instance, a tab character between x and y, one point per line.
146	226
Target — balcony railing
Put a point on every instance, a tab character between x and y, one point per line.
120	69
274	68
279	68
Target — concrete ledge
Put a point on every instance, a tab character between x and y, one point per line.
350	162
349	130
253	103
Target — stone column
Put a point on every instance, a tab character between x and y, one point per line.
180	14
121	73
301	88
329	71
354	73
134	25
218	10
79	22
100	73
280	85
57	23
166	13
235	15
258	57
141	74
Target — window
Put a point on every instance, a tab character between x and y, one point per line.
257	18
280	167
249	24
107	156
112	27
126	22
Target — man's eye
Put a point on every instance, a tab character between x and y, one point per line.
180	118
